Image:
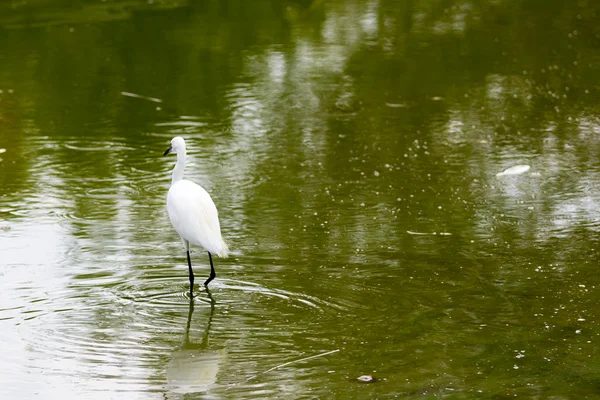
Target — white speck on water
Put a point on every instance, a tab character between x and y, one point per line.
516	170
376	173
138	96
365	378
426	233
578	331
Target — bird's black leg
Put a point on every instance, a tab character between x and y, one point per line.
212	271
191	275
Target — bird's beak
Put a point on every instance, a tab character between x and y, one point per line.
167	151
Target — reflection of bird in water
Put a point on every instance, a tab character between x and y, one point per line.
193	367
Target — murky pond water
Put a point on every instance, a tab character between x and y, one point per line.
410	190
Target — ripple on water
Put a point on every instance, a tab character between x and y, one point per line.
119	325
111	192
169	291
297	299
96	145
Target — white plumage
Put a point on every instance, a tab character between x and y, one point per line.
192	212
195	217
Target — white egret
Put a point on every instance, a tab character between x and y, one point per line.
193	214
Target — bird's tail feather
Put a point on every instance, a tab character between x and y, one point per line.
224	250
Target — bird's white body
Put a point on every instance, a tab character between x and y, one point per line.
194	216
193	213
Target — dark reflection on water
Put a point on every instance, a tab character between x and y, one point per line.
354	150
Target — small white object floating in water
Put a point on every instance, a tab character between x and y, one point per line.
184	123
516	170
139	96
396	105
366	379
429	234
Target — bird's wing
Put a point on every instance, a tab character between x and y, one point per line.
194	215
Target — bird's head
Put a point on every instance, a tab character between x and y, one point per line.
177	145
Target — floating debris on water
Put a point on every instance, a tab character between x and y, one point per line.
366	379
139	96
2	151
395	105
181	123
189	117
429	233
516	170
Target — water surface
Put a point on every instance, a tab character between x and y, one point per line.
355	152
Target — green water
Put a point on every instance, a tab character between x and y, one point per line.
352	149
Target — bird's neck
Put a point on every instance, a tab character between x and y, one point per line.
179	167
